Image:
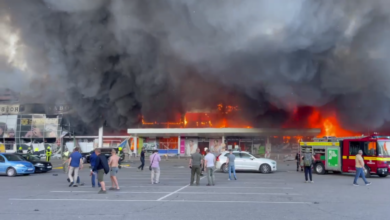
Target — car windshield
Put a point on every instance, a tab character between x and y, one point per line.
33	158
11	157
384	148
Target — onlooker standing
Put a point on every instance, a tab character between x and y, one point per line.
360	169
210	163
92	159
298	159
230	163
75	164
155	167
113	162
195	165
101	167
142	158
308	159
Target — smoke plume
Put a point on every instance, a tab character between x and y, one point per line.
115	60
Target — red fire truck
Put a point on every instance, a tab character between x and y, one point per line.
338	154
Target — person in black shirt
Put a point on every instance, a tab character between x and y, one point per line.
142	158
298	159
101	167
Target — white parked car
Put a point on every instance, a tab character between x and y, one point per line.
246	161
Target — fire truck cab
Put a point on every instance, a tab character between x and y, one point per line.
338	154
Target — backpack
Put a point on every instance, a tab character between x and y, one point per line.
307	160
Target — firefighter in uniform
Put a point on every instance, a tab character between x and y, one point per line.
20	150
65	158
48	153
29	153
120	152
36	151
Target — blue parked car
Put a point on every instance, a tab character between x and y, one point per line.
12	165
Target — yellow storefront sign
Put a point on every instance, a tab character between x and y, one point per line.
319	143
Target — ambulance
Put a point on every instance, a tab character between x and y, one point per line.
338	154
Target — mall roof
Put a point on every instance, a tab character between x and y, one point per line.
219	132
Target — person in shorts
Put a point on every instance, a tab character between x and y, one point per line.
101	167
113	162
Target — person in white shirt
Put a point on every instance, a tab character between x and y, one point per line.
210	164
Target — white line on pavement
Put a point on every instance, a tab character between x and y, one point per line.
187	201
203	193
211	187
175	191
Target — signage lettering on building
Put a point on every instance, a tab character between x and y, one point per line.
59	108
9	109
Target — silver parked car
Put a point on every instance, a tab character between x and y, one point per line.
246	161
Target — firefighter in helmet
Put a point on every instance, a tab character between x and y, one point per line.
20	150
48	153
29	150
120	152
36	151
65	158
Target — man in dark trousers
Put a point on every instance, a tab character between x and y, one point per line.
308	159
196	162
298	159
101	167
142	158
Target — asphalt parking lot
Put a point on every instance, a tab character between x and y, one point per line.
280	195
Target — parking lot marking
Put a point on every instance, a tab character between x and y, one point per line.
173	192
176	191
202	193
167	201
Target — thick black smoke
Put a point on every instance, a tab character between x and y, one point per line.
115	60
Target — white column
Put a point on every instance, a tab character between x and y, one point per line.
178	145
135	144
100	137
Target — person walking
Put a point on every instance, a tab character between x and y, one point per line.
113	162
75	164
78	177
210	164
142	158
101	167
195	165
155	167
308	159
230	162
92	160
359	164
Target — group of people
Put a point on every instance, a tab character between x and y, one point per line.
306	161
197	163
48	152
100	166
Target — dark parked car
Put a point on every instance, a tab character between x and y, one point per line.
40	166
105	151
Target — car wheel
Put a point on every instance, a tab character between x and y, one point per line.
224	168
11	172
319	168
265	168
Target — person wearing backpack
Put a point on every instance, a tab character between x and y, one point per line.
101	167
308	159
